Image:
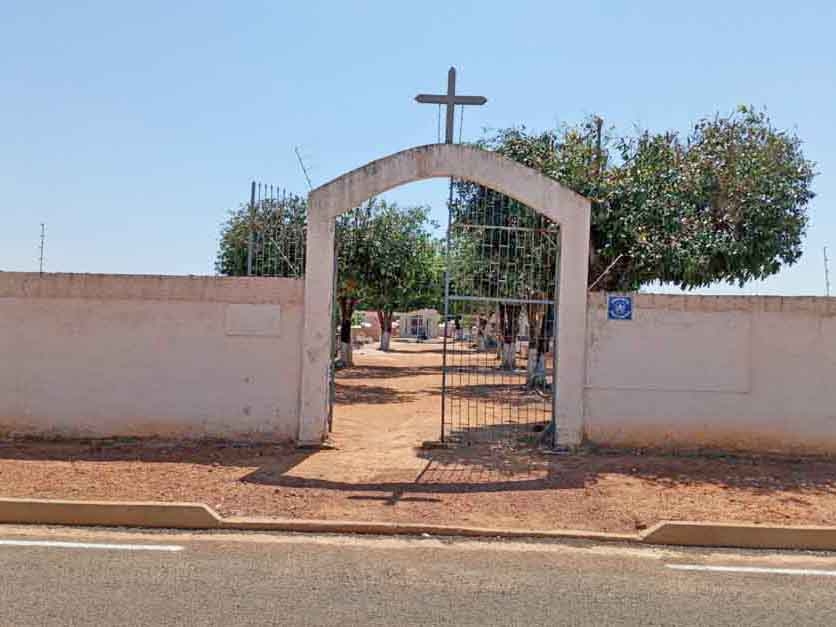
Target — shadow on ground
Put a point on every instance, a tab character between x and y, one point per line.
472	470
483	468
427	351
371	394
386	372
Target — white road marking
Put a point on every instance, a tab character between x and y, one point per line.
810	572
93	545
520	545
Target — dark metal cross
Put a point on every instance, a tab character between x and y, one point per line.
451	100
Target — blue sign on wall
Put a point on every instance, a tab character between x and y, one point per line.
620	307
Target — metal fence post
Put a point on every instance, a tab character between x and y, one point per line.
250	242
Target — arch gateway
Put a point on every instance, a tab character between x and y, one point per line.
491	170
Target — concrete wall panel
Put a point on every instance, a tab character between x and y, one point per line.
105	355
732	373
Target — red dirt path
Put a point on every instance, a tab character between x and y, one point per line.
387	405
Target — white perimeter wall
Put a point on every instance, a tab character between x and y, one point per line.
735	373
105	355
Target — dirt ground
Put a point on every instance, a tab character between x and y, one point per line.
386	406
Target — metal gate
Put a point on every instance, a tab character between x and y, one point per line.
500	304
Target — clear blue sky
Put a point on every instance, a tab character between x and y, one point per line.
131	128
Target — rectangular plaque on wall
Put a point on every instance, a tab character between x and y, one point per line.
257	320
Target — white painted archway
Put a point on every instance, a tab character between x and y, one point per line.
561	205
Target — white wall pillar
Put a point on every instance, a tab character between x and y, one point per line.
316	341
571	332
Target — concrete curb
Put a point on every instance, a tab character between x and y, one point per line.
741	536
108	514
196	516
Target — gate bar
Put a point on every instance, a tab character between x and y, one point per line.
446	311
499	299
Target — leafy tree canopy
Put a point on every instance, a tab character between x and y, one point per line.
387	257
388	260
727	202
278	228
405	267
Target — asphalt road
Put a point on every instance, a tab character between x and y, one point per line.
259	579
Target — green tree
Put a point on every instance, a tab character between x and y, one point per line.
502	249
386	256
387	260
405	269
726	203
355	250
278	228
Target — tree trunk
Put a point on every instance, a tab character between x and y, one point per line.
385	319
500	345
481	334
346	312
509	319
531	364
538	321
346	354
532	313
536	368
509	355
